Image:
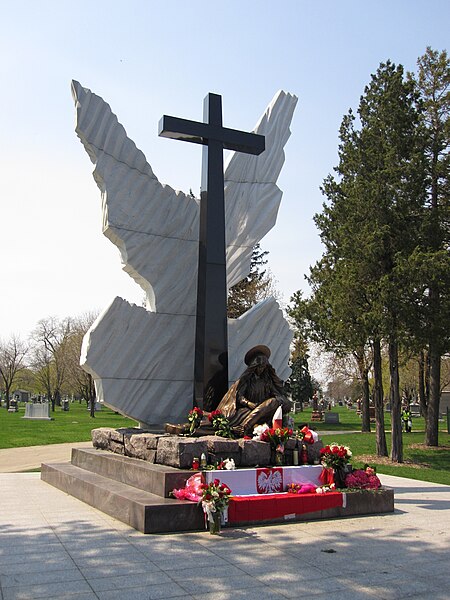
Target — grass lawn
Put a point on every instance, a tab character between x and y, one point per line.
72	426
420	462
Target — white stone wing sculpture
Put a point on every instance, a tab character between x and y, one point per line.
142	360
154	227
252	197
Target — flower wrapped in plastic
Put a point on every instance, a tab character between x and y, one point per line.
301	488
194	418
215	500
193	489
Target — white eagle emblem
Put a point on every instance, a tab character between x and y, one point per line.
269	481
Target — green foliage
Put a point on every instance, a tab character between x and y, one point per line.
245	294
420	462
385	272
299	384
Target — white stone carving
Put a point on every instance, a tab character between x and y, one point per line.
142	360
263	322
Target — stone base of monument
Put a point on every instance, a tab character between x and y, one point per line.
136	492
179	451
131	490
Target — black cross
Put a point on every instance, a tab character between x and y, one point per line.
211	345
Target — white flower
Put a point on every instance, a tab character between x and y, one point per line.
229	464
259	430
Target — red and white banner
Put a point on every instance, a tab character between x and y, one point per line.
247	482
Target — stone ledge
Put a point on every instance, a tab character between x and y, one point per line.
179	451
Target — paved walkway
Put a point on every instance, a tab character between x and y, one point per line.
53	546
15	460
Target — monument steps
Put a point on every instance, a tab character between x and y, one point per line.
136	492
153	478
96	479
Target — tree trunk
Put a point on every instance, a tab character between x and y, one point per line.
378	400
7	390
432	423
396	405
422	398
365	407
364	376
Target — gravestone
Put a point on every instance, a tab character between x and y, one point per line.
142	359
415	409
331	417
37	411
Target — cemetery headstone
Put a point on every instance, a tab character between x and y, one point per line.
38	411
331	417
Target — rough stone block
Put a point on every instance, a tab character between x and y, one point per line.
179	452
142	445
314	451
117	447
220	445
254	453
101	437
220	448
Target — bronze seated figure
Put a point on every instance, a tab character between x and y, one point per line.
252	400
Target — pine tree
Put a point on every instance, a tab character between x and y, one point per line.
430	291
245	294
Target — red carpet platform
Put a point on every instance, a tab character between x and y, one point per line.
270	507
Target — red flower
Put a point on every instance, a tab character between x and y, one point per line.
196	411
214	414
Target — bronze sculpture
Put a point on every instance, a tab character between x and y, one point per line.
252	400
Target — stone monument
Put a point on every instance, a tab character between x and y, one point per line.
142	359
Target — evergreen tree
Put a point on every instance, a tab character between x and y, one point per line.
430	264
369	229
300	385
245	294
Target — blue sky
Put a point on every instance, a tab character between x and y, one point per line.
149	58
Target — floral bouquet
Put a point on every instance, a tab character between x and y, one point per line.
334	456
215	499
195	417
363	479
276	437
221	424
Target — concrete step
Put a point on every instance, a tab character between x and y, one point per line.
146	512
149	477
